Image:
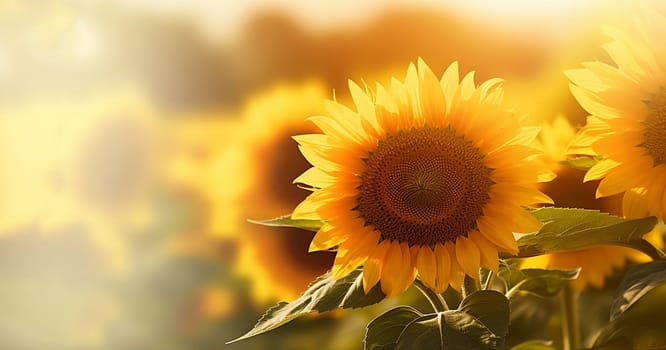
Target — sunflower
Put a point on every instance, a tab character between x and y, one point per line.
627	125
568	190
86	165
418	182
254	152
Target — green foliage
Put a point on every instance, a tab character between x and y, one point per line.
324	294
640	326
287	221
570	229
383	332
638	281
481	322
541	282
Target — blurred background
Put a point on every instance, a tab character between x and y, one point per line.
137	138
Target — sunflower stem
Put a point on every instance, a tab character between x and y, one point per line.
515	289
436	300
489	280
568	303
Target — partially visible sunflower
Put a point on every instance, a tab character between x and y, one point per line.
197	147
427	177
627	125
568	190
248	177
88	164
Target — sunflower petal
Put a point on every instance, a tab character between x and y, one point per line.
457	274
468	256
443	268
372	269
488	251
426	264
390	278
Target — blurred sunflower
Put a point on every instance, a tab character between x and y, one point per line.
196	149
93	162
260	160
568	190
627	125
417	182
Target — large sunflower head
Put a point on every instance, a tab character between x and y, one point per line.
627	125
426	177
568	190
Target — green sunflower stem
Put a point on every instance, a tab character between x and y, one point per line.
569	308
490	280
436	300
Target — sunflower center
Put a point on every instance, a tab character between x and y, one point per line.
424	186
655	127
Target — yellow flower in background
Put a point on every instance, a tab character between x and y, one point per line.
627	125
426	177
196	152
242	168
88	164
568	190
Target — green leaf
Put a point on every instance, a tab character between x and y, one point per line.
541	282
324	294
567	229
637	282
641	326
491	308
287	221
383	332
481	322
583	163
534	345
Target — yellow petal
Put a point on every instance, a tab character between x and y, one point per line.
467	87
488	251
457	276
373	266
307	209
315	177
390	271
317	140
587	78
592	103
353	252
363	102
468	256
433	102
443	268
327	237
408	270
426	264
526	222
634	204
600	170
449	83
497	233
